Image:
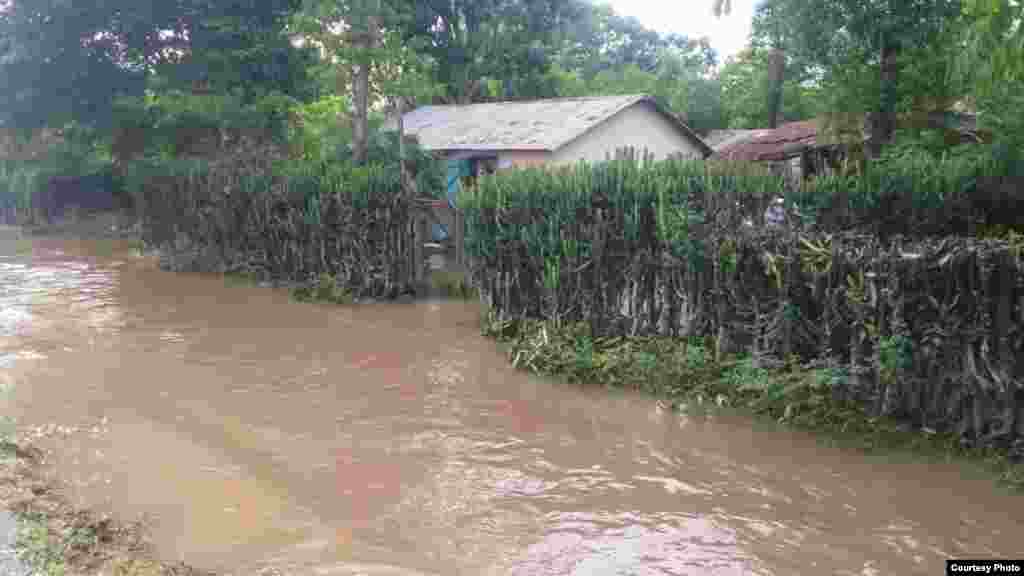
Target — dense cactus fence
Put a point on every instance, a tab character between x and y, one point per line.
278	220
929	328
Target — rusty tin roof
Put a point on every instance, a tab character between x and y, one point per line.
783	142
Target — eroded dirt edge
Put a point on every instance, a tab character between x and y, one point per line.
55	538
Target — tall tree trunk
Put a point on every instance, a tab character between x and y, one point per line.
361	101
366	41
360	125
883	122
776	76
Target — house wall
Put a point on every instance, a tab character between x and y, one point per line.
523	158
640	126
513	158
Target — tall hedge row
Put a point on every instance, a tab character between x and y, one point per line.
965	192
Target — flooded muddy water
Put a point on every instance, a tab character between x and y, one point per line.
255	432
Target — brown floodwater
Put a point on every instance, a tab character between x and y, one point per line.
392	439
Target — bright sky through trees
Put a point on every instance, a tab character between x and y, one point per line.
693	18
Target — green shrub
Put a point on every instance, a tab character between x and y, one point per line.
79	152
37	547
18	183
746	376
452	285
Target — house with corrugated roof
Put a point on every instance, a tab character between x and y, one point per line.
486	137
802	149
798	149
554	131
496	135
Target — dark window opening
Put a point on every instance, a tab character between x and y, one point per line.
480	166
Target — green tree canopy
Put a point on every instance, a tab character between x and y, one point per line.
870	52
478	44
990	65
745	85
69	61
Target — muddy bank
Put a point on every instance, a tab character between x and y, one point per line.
46	535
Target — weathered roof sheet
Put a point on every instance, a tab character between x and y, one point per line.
534	125
720	139
772	145
793	138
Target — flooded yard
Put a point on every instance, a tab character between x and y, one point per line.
253	432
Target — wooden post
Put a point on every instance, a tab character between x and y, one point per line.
755	347
881	385
1001	326
398	252
421	238
790	279
415	245
460	238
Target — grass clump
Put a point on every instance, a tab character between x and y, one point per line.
325	288
242	278
452	284
35	548
50	550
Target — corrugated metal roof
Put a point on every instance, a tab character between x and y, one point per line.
793	138
720	139
772	145
535	125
